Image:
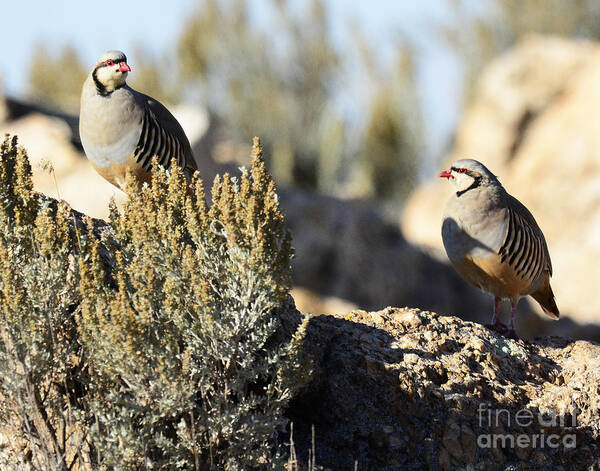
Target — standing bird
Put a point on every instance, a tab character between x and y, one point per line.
123	129
494	242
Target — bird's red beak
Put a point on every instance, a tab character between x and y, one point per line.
123	67
446	174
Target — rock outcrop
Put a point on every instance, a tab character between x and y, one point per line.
404	389
533	122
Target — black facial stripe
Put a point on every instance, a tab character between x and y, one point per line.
99	87
115	62
475	184
467	171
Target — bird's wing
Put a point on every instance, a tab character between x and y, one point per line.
524	246
172	141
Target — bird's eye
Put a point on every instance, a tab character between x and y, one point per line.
462	170
109	62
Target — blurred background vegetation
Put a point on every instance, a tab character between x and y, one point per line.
285	79
478	35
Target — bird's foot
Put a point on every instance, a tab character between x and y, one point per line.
511	334
498	327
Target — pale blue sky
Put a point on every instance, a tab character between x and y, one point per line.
93	27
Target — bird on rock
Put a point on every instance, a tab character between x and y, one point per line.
494	242
122	129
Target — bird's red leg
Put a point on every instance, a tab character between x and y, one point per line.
496	325
496	307
511	334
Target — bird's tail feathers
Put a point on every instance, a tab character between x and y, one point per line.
545	297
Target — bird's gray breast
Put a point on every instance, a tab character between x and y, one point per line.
474	224
110	127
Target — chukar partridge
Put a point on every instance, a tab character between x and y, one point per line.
494	242
122	128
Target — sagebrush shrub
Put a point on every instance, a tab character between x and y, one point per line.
163	355
39	349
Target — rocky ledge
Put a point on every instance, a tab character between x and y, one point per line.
404	389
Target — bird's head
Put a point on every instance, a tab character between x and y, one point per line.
468	173
110	72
